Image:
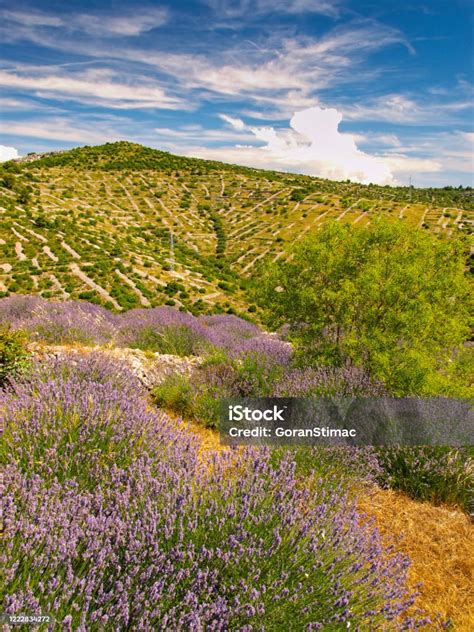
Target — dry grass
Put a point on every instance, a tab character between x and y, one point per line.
210	441
440	544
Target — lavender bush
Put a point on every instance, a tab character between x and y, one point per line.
347	381
113	521
78	418
161	329
254	374
437	474
57	322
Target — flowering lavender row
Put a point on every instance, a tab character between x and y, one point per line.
114	521
160	329
437	474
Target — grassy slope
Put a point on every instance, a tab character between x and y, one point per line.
98	224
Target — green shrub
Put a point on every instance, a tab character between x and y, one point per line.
13	353
174	393
176	340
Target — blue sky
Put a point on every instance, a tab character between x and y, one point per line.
375	90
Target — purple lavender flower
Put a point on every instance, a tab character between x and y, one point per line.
112	518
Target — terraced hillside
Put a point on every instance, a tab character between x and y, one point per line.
127	226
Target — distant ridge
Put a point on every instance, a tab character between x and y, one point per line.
128	226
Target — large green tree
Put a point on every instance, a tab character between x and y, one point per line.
388	296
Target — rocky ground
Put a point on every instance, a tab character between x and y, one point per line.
150	368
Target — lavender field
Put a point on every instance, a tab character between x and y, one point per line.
115	517
236	316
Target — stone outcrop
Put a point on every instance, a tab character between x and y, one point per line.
150	368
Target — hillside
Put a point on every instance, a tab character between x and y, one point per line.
127	226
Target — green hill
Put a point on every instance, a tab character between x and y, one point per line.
128	226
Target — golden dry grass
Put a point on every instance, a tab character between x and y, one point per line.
440	544
209	439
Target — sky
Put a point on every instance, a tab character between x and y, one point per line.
369	90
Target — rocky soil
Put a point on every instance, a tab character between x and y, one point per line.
149	367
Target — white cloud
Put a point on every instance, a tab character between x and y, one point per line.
100	87
445	158
312	145
7	153
325	7
402	109
249	8
58	130
127	24
196	133
235	123
286	71
32	18
281	72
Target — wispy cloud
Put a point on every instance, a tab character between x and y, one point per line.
197	133
299	66
284	72
235	123
130	23
400	108
133	23
31	18
96	86
61	129
232	9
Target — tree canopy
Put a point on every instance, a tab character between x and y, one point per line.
391	297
